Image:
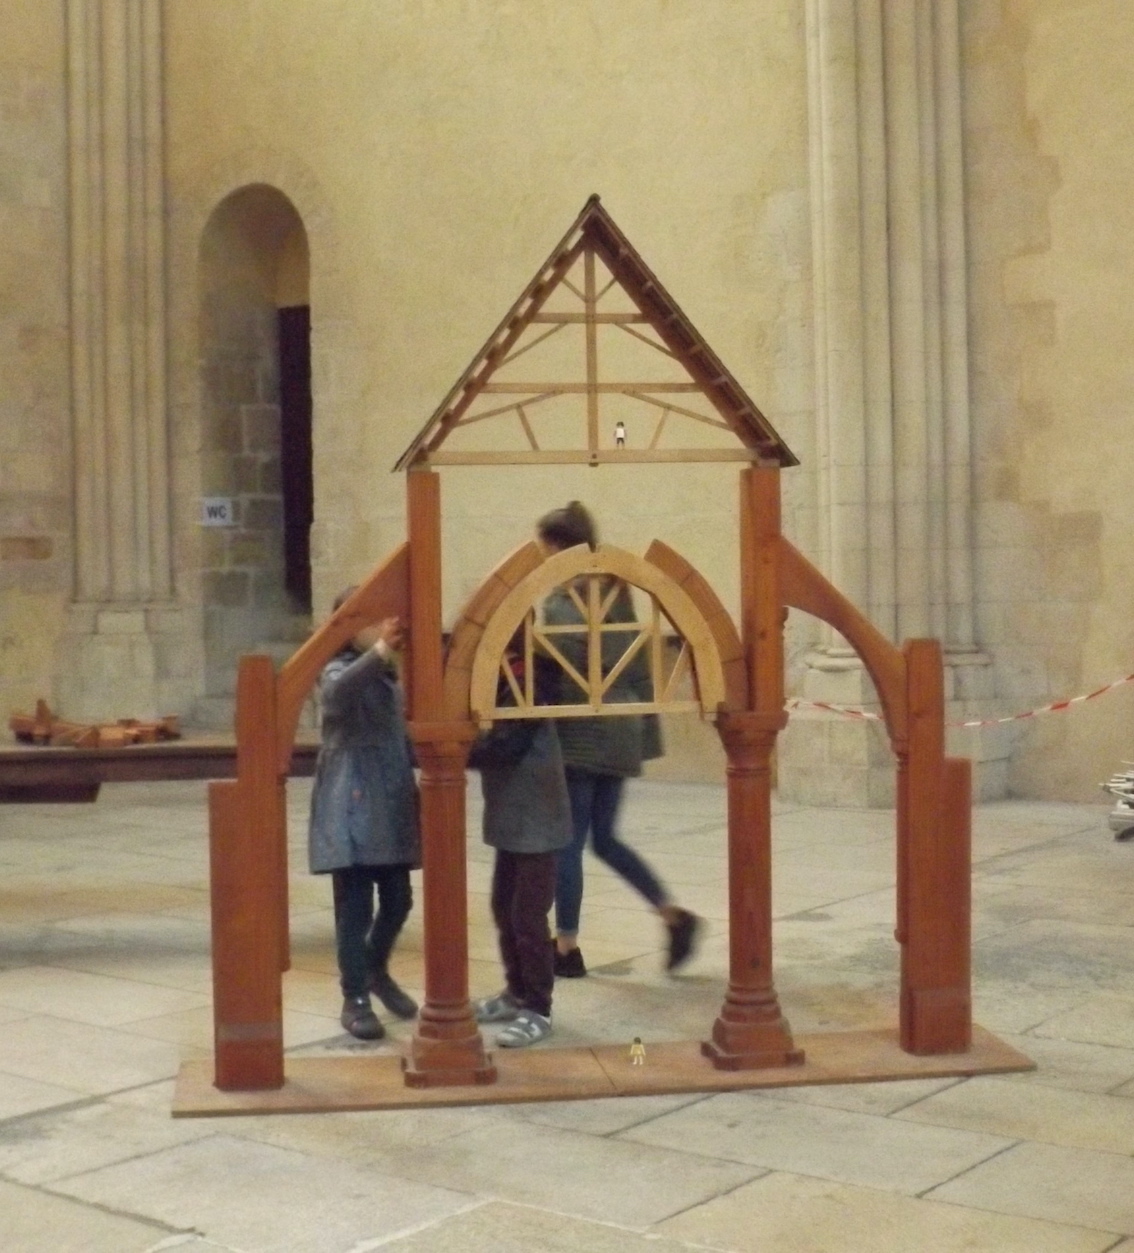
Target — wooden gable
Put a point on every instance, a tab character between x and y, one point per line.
595	363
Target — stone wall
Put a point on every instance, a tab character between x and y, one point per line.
35	548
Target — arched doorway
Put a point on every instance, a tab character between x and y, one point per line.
256	436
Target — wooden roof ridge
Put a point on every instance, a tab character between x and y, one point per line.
596	228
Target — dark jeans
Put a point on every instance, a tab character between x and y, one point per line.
594	808
523	887
364	941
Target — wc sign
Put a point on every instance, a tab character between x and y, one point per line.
217	511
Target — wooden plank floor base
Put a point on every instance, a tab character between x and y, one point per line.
327	1084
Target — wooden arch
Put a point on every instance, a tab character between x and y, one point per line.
691	620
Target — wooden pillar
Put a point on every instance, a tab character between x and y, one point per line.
244	830
934	878
750	1030
283	902
447	1047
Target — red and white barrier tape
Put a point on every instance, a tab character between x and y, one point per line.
846	711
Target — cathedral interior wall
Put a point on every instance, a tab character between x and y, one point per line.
432	155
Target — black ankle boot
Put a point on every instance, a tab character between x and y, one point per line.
399	1003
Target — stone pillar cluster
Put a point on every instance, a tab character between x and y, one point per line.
111	653
892	374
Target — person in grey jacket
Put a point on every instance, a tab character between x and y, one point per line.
364	825
527	818
599	755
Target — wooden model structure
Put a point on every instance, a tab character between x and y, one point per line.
684	406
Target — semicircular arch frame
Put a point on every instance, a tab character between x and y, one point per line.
699	627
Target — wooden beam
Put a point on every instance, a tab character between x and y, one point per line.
606	456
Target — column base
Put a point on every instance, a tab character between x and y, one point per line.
447	1063
751	1046
454	1056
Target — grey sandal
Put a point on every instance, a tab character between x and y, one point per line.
528	1028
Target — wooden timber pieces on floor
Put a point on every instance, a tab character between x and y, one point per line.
44	727
373	1082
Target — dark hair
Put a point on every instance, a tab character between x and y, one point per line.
569	526
345	595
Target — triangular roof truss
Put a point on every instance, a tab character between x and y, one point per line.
570	400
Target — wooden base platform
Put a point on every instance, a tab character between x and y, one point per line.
328	1084
34	774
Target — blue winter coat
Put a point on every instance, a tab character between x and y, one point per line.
364	804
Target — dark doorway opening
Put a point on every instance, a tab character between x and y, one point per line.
298	487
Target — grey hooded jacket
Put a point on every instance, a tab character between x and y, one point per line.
364	804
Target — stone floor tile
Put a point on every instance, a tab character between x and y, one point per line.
56	1144
19	1096
807	1139
587	1176
261	1199
34	1220
1059	955
376	1140
1056	1184
193	1028
864	1098
1072	1064
499	1228
1015	1007
617	1002
92	999
600	1117
186	972
1077	1120
84	1059
794	1214
1101	1019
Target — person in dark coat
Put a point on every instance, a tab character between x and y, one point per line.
599	755
527	818
364	825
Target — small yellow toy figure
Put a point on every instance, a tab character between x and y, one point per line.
637	1052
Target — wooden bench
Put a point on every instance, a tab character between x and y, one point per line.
39	774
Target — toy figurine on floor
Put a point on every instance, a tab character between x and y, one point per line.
364	828
637	1052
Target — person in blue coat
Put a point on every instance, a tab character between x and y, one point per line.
364	820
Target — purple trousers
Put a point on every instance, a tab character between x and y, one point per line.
523	889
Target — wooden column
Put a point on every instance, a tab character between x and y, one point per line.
447	1047
934	870
246	897
750	1030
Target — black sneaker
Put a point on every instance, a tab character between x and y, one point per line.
399	1003
569	965
682	939
360	1020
